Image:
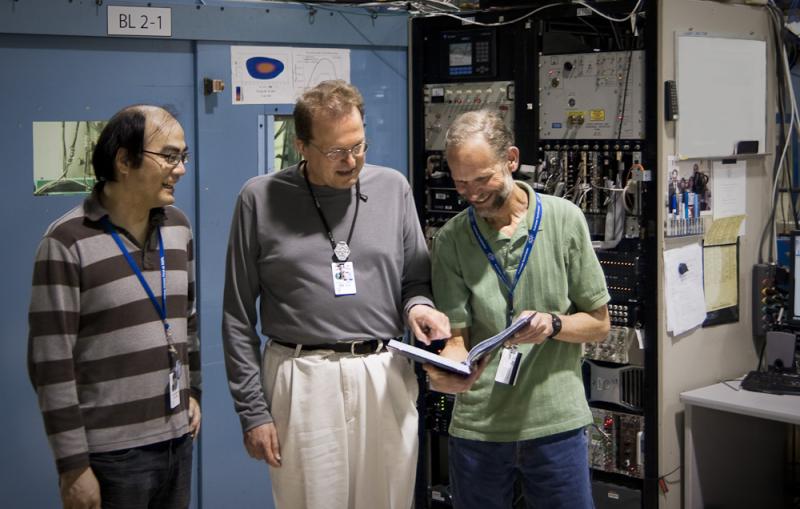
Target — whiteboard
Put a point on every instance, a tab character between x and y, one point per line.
722	94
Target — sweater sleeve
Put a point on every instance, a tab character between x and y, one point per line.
240	340
416	260
53	323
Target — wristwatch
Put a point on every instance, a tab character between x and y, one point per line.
556	325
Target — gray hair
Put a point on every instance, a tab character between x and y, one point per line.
485	123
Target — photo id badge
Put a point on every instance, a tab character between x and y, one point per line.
508	368
344	278
174	390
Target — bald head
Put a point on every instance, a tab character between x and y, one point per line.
129	129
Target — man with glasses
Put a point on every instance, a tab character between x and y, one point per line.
333	251
113	351
515	252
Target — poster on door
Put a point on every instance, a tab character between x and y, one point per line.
280	74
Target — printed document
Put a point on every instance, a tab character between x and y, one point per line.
486	346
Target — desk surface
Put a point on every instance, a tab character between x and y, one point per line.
785	408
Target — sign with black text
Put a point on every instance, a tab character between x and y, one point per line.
139	21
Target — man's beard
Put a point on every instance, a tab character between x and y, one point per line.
495	204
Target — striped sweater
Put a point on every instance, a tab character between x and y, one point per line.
97	351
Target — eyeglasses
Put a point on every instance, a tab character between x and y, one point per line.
337	154
172	158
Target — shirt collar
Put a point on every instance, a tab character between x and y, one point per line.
531	201
95	211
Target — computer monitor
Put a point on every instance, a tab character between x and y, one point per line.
794	290
780	350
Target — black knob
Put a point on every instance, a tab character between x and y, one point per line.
567	66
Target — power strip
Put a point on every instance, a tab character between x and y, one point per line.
763	282
770	297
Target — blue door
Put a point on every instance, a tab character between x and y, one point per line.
92	81
230	139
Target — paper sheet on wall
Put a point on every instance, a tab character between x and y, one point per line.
279	74
720	277
730	190
723	231
683	287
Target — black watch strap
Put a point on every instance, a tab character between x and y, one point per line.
556	325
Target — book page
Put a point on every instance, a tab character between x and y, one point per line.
424	356
490	344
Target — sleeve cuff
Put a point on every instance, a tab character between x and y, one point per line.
413	301
72	462
249	423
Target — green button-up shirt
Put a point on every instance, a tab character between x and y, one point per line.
562	276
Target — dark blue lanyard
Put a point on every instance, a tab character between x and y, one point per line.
162	307
510	285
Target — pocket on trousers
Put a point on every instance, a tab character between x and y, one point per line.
114	456
409	376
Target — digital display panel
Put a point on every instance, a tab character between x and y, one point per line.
468	54
460	54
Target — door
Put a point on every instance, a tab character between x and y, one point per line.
61	79
234	144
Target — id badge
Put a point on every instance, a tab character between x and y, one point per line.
174	390
508	368
344	278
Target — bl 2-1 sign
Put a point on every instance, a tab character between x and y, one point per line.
139	21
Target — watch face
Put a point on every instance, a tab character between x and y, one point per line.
556	324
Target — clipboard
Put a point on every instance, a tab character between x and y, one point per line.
727	314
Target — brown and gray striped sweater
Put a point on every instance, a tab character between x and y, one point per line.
97	352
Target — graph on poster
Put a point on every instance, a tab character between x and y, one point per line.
278	75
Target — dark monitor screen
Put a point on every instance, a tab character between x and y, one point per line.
794	260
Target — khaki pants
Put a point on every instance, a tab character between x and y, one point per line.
347	426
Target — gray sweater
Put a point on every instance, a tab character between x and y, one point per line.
97	353
279	252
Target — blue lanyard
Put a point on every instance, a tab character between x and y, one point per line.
487	250
160	308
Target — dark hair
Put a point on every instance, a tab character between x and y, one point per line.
333	98
125	130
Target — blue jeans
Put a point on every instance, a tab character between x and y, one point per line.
554	471
152	476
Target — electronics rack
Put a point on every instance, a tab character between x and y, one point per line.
563	100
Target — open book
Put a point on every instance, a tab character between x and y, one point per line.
465	367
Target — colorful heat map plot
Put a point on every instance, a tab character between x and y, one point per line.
264	68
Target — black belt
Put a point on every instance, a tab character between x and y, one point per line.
365	347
